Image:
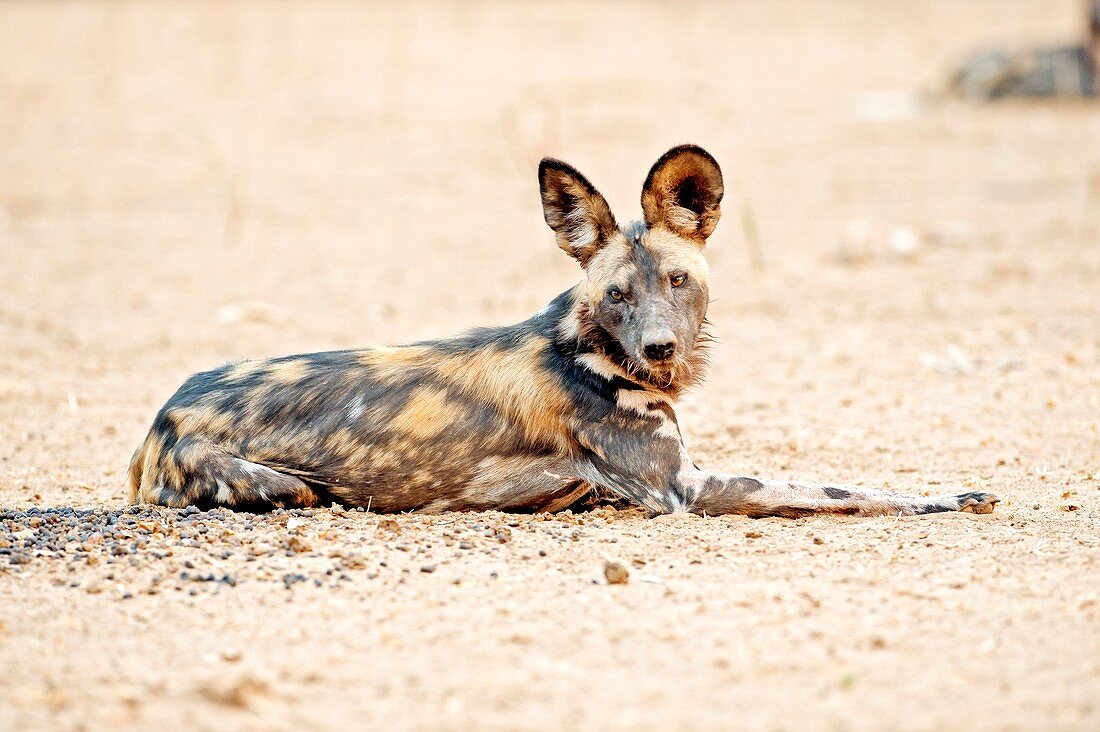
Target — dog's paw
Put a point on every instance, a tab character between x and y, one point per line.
976	502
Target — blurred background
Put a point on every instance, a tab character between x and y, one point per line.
905	284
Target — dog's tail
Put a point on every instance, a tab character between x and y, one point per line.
137	465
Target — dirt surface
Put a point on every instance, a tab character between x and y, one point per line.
184	184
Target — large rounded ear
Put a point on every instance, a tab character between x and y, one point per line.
683	191
575	210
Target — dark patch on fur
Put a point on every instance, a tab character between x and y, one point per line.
634	231
663	407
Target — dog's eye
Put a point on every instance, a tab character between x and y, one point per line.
678	280
615	294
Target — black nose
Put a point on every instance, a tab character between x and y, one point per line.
659	351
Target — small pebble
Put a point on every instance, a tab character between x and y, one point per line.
615	573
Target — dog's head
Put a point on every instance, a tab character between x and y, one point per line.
644	298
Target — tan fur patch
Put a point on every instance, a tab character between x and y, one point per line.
134	474
243	369
427	413
391	364
200	420
517	384
674	253
611	265
153	449
288	372
570	326
344	443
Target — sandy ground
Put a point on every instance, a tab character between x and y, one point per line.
183	184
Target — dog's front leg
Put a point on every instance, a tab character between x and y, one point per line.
718	493
637	453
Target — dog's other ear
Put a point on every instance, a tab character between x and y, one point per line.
575	210
682	192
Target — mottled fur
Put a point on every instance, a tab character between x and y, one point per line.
528	417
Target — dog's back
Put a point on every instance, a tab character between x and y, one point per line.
429	425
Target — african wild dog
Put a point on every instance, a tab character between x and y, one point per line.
525	417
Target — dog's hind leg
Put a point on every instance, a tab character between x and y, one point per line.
195	471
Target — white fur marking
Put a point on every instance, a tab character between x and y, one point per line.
581	231
255	469
600	365
635	400
570	326
639	401
355	408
